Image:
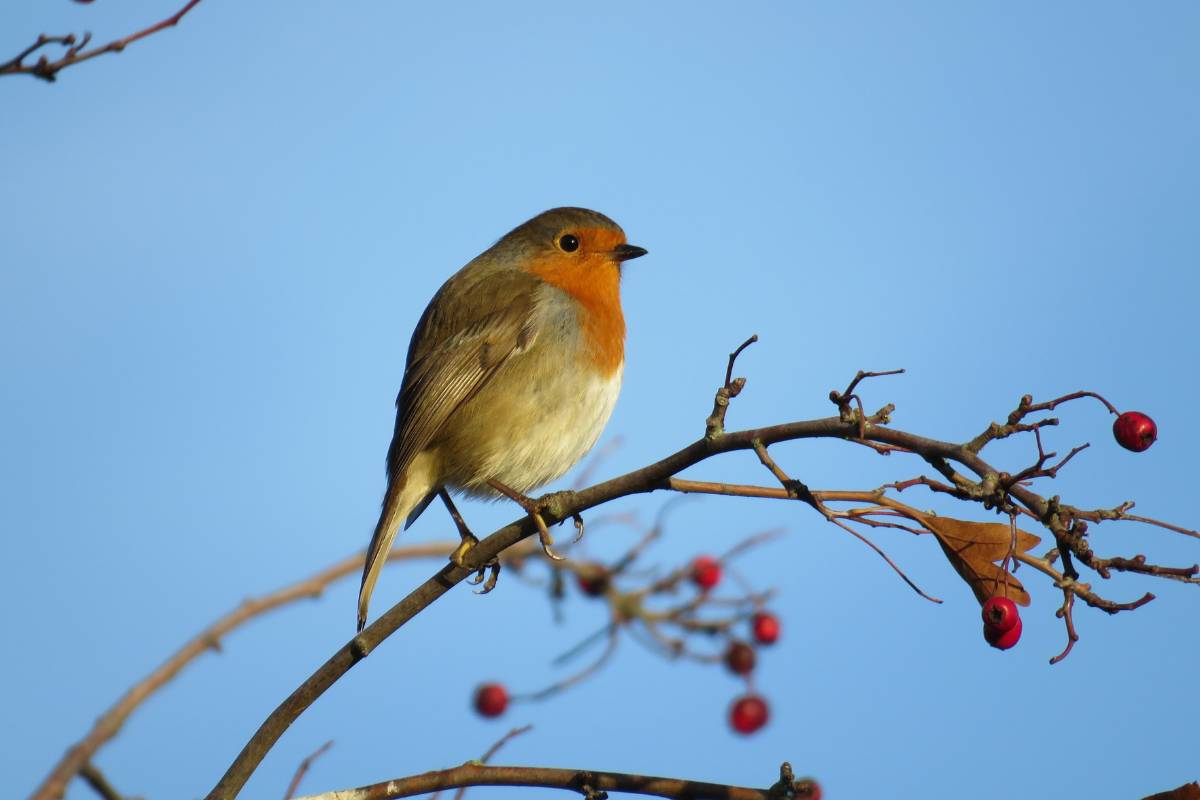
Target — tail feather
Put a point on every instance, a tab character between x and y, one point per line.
405	493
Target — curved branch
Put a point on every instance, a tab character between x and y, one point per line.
563	506
110	723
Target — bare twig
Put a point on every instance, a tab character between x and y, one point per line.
846	413
749	543
1044	565
591	784
505	739
1065	613
1119	512
578	677
302	770
660	521
94	778
1027	406
795	489
798	490
110	723
714	426
48	70
733	357
514	733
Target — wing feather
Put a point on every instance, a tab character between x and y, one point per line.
444	377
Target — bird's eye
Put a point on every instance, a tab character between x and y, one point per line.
569	243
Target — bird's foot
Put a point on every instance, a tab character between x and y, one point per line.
553	503
494	566
534	509
464	547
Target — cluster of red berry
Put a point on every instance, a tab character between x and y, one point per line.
748	713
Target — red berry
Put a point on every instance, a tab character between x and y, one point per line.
807	789
748	713
1000	614
740	658
491	699
1002	640
594	582
765	626
706	572
1135	431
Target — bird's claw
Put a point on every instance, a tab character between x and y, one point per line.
534	508
494	566
544	536
578	526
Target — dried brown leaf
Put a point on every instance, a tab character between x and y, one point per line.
1190	791
972	547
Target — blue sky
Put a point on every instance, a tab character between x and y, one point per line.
214	246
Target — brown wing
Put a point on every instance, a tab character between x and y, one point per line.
442	375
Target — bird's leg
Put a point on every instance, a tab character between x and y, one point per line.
469	539
534	509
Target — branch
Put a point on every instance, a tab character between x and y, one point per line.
110	723
48	70
593	785
1043	565
988	490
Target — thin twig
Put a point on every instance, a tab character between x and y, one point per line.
884	556
749	543
303	770
1065	613
94	778
714	426
514	733
733	357
799	490
578	677
48	70
583	646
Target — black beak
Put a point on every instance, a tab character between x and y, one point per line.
624	252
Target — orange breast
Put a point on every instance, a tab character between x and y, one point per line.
594	280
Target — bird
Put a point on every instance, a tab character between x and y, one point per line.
512	373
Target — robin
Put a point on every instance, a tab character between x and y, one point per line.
512	373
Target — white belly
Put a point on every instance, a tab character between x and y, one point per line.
554	438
